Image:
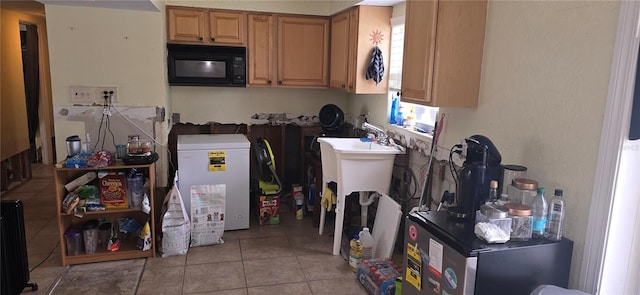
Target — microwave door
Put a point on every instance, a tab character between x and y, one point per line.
203	69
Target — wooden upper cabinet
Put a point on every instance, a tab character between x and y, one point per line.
354	35
288	51
187	25
261	50
339	51
227	27
303	51
443	45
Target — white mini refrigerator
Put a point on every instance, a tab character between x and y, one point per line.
217	159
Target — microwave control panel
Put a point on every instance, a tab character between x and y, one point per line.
239	69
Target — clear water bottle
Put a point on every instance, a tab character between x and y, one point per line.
539	212
556	216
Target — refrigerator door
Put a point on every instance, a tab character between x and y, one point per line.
432	267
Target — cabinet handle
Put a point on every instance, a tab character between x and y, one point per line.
350	86
213	39
280	82
343	86
200	38
269	81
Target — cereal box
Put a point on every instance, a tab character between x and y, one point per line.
269	208
113	192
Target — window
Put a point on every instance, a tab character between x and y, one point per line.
424	114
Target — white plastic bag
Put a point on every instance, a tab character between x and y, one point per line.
207	214
176	228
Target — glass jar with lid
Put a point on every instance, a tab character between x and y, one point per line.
522	190
521	221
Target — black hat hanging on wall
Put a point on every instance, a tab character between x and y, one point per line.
331	119
375	70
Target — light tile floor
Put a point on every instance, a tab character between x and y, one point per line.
289	258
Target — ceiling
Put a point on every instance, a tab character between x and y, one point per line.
380	2
37	7
145	5
26	6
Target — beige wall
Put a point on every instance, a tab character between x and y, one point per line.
544	85
107	47
13	109
236	105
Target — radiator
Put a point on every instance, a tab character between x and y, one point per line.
15	266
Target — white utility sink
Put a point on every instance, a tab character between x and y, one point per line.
357	146
355	166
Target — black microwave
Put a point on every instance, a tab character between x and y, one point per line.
198	65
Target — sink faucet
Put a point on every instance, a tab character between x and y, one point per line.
381	135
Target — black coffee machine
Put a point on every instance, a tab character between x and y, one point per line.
482	164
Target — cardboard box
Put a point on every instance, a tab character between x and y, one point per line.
269	209
113	191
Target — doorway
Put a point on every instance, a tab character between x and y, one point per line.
31	73
27	85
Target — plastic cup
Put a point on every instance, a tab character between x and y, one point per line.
73	237
90	233
121	151
104	234
135	190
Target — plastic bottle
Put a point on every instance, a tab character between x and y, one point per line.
400	116
411	119
355	253
556	217
539	212
493	192
367	243
504	198
394	110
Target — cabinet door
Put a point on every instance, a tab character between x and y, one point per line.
186	25
261	49
419	48
340	61
458	55
227	27
352	62
369	24
303	51
443	69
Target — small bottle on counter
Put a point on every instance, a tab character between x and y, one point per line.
411	119
556	217
493	193
539	212
504	198
400	116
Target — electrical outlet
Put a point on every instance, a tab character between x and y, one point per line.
82	94
100	92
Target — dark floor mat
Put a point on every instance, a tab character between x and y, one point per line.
114	277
